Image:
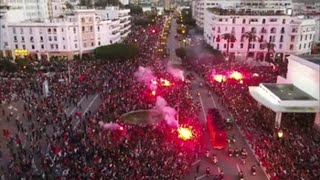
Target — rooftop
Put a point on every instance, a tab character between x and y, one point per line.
288	92
313	59
246	12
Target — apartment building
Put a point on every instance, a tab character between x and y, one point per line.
289	34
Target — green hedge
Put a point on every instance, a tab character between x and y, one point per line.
117	51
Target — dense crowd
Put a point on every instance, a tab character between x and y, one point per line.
294	156
49	143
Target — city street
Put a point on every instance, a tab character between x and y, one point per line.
230	165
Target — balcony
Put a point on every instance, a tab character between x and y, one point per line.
263	31
245	12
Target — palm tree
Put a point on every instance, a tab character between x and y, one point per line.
251	36
229	37
270	47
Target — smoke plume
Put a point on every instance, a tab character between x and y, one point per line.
168	112
177	73
109	126
145	75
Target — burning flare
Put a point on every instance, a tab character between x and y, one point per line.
165	82
185	133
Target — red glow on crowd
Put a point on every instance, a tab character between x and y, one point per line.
154	82
185	133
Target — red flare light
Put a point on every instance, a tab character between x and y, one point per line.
153	93
154	82
219	78
236	75
165	82
185	133
121	128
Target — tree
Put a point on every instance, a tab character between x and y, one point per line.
117	51
181	53
251	36
69	6
228	37
8	66
270	50
104	3
87	3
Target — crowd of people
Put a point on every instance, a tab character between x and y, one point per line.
46	143
294	156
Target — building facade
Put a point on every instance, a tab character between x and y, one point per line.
288	34
199	6
77	32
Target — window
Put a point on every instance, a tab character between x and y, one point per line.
309	45
98	28
243	21
291	46
282	30
91	28
280	46
99	43
63	38
226	29
305	37
21	30
243	29
50	39
51	46
241	45
31	39
23	46
92	44
261	38
301	37
75	46
310	36
263	21
233	30
62	30
281	38
30	30
82	20
42	46
304	46
218	29
283	21
55	38
49	30
273	30
234	20
254	30
83	28
292	38
17	47
54	30
64	47
32	46
14	30
57	46
74	30
15	38
252	46
218	46
225	46
41	38
22	38
231	46
299	46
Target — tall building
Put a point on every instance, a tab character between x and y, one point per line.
199	6
289	34
75	33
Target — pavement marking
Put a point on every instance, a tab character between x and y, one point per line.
214	103
238	168
203	111
86	111
200	177
195	163
77	105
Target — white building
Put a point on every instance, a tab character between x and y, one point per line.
289	34
299	92
167	4
114	13
77	32
37	9
199	6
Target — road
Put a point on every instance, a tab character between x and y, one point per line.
173	44
230	165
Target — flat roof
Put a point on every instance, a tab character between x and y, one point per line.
288	92
313	59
